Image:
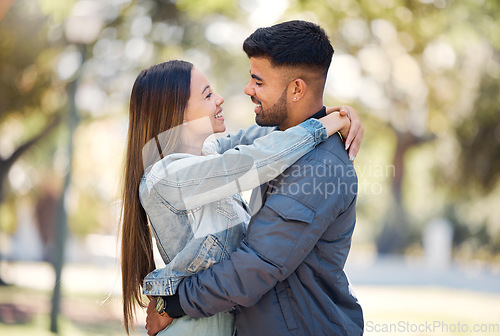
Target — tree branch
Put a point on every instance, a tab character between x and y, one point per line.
8	162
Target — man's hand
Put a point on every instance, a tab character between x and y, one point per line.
154	322
353	141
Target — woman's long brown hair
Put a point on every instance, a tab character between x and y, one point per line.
157	103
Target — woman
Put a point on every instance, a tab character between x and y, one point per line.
189	193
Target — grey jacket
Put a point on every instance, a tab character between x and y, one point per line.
287	276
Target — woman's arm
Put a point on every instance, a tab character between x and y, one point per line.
242	137
356	132
353	136
187	182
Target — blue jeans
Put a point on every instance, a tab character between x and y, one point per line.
220	324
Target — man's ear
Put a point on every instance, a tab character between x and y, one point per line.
298	89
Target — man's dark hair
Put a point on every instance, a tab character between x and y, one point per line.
291	43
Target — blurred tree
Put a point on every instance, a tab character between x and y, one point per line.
478	132
470	176
479	138
25	81
27	91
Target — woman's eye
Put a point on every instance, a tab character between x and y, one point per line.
209	95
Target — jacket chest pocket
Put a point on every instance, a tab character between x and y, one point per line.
211	252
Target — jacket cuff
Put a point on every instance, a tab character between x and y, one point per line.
174	308
316	128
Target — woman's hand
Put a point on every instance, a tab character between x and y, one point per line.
356	132
335	122
154	321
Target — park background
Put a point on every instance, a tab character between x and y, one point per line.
424	76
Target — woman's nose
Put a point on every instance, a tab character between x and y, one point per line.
220	100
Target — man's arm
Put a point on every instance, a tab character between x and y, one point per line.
281	236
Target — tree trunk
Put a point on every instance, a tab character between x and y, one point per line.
6	164
61	225
395	233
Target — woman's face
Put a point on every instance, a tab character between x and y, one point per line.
203	113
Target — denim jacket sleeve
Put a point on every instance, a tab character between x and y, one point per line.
187	181
242	137
281	235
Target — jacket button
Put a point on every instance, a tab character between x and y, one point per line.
148	287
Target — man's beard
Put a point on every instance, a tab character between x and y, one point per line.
274	115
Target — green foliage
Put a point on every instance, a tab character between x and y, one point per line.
23	79
199	8
56	10
8	216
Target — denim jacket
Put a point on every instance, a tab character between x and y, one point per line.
193	203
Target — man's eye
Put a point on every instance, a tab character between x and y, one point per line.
258	84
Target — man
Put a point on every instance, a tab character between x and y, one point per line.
287	277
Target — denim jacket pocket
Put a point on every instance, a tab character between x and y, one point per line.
211	252
285	306
225	207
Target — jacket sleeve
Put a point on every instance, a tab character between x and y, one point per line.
242	137
280	237
188	182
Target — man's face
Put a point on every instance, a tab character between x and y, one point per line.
267	89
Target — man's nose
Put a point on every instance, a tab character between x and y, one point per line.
249	90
